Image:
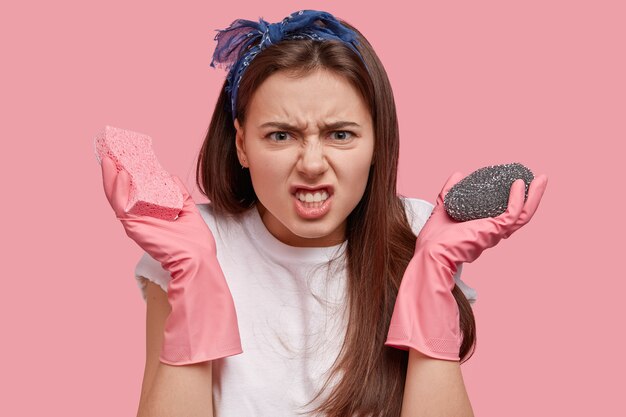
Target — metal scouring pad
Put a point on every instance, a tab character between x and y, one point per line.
485	192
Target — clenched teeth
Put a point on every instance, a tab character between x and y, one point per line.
311	197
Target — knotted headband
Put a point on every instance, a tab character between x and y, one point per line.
241	34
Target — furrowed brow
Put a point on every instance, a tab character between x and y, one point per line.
340	124
327	126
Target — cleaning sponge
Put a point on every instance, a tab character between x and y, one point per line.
485	192
153	191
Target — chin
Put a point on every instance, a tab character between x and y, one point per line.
318	229
311	231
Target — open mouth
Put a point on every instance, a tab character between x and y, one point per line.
318	196
312	203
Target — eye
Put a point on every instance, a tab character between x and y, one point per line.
281	137
343	136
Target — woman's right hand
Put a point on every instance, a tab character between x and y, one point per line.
202	324
167	241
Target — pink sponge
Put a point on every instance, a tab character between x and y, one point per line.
153	191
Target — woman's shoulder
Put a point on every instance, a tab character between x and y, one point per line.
207	212
212	216
417	211
417	204
220	224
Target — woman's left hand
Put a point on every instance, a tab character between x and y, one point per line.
454	242
426	314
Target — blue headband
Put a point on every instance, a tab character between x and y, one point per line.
242	33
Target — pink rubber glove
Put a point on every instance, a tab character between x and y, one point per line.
426	315
202	324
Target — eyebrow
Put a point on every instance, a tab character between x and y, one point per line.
326	126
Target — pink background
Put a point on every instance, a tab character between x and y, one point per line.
476	83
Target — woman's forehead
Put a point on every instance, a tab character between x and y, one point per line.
313	99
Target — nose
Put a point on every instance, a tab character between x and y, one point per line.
312	159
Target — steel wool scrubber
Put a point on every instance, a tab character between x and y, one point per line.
485	192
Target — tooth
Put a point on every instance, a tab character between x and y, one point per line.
312	197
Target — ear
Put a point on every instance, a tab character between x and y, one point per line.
240	144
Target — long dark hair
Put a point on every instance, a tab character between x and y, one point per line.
380	240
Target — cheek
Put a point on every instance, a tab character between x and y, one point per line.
358	170
267	174
274	160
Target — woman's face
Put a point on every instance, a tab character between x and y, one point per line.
311	132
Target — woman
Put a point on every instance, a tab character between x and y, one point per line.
307	233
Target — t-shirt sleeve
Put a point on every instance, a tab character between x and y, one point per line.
150	269
418	211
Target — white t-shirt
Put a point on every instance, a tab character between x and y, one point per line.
291	313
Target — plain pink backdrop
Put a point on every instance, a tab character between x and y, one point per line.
476	83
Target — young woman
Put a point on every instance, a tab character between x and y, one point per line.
283	295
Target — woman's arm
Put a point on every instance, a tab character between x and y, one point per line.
169	390
434	388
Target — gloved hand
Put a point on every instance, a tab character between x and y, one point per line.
426	315
202	324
